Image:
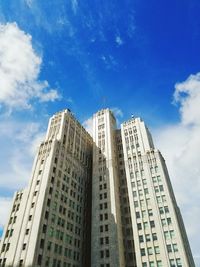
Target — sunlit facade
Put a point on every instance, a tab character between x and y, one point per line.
101	202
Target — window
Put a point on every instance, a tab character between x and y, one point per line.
166	235
154	236
172	234
24	246
146	225
146	191
139	226
107	253
161	210
158	199
154	179
175	247
172	263
156	189
157	250
152	224
136	204
141	239
178	262
134	194
159	178
159	263
169	221
148	238
137	215
150	251
142	251
166	209
144	181
161	188
163	221
151	264
150	212
39	262
169	248
107	240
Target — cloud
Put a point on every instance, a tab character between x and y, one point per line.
180	145
119	40
19	70
88	125
187	94
19	142
74	4
5	204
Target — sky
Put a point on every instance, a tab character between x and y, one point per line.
134	56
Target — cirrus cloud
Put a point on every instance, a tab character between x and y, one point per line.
20	67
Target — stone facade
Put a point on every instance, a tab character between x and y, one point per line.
101	202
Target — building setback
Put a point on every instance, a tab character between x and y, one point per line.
101	202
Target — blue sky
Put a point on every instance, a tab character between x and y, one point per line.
134	56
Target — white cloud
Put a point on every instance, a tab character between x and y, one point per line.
88	125
5	204
19	142
20	69
74	4
187	94
119	40
180	145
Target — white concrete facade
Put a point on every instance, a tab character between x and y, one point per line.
107	241
47	230
101	202
159	241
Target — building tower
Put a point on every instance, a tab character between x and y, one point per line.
50	220
107	241
101	202
158	231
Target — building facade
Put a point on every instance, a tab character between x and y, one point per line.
99	202
50	221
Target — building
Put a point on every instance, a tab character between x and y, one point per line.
49	223
99	202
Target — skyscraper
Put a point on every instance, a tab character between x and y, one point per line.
49	223
99	202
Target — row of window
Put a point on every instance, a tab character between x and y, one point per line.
150	251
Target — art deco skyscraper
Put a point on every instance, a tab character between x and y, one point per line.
107	240
158	231
50	220
106	202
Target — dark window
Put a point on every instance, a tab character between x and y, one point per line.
142	250
141	238
107	253
39	262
